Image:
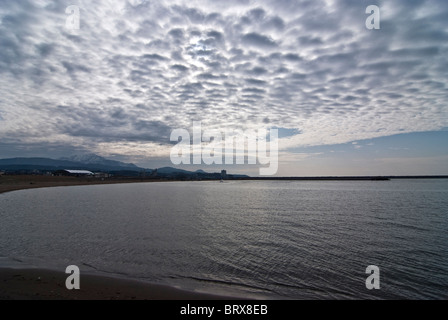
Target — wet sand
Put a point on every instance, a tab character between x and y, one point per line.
39	284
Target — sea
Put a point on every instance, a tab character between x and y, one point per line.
247	239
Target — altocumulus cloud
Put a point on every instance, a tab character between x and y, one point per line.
137	69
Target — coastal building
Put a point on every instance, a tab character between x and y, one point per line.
73	173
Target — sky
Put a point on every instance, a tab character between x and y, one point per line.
345	99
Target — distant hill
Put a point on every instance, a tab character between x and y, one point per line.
89	163
93	159
170	170
95	163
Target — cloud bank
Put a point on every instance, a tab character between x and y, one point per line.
136	70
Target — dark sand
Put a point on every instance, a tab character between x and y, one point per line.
39	284
20	182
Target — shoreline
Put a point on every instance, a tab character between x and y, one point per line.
10	183
30	283
19	182
45	284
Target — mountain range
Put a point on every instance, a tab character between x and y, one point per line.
91	162
95	160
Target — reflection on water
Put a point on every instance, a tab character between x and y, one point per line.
280	239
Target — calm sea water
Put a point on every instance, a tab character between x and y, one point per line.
274	239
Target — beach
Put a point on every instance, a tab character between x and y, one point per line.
40	284
21	182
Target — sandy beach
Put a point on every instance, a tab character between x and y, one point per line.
39	284
20	182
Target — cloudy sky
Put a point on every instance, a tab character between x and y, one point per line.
346	100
